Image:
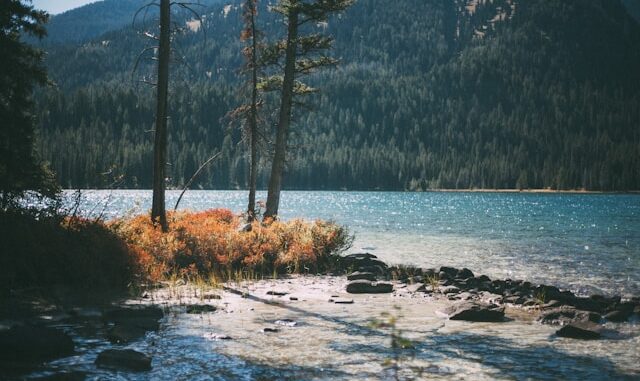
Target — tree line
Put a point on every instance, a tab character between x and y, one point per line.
542	98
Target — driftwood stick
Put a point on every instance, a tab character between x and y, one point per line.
188	184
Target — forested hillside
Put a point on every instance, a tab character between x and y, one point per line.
429	94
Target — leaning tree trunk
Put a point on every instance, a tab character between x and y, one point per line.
279	157
158	213
253	176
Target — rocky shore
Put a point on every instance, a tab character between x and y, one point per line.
481	299
130	331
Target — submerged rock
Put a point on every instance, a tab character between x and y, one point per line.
123	359
34	343
217	336
367	287
200	308
277	293
474	311
64	376
568	315
146	318
582	331
342	301
122	334
621	312
359	275
286	322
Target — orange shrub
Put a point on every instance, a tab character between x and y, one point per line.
210	242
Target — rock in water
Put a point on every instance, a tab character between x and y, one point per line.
568	315
200	308
367	287
124	359
476	312
582	331
277	293
465	273
34	343
145	318
359	275
122	334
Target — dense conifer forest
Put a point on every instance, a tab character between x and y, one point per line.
428	94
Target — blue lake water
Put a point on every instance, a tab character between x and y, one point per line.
589	243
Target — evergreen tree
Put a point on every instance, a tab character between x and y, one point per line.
20	70
302	56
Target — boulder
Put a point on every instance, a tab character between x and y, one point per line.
465	273
126	359
621	312
34	343
358	275
475	312
568	315
364	262
483	278
598	304
451	272
367	287
582	331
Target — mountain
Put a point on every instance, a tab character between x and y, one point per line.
429	94
94	19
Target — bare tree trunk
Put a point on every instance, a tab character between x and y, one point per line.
254	118
279	157
158	213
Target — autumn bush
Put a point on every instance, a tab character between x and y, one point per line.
90	254
210	242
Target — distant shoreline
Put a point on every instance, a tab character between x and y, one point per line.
571	191
478	190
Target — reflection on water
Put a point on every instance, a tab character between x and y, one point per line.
338	342
588	243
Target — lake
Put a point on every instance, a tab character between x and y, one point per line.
588	243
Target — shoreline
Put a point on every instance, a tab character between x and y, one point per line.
447	190
346	325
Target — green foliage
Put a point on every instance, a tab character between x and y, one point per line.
544	97
398	342
21	69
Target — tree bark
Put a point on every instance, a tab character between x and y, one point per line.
284	120
158	212
253	176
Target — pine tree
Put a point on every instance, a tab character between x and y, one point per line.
302	55
20	70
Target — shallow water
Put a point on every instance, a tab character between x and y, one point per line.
589	243
338	342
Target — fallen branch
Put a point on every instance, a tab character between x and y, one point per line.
188	184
